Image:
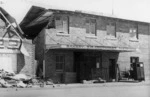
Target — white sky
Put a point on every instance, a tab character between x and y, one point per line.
128	9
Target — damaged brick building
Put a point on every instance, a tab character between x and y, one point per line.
16	52
72	46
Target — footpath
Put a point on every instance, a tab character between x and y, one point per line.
81	85
107	84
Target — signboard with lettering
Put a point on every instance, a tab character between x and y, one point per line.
65	46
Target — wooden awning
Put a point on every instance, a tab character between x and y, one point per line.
86	47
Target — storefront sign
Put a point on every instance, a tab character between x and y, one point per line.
90	47
95	47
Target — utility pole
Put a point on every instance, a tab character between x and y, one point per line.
112	10
1	2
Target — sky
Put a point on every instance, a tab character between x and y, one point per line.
138	10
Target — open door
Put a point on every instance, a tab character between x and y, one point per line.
84	65
112	72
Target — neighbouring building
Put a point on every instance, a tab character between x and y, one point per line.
72	46
16	52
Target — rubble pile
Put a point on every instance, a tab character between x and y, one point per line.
98	80
10	80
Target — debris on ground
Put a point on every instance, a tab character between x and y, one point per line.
4	84
49	82
34	81
22	77
10	79
98	80
20	84
88	82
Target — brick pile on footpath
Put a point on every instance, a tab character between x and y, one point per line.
10	80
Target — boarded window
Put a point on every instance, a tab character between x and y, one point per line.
111	30
61	24
91	26
133	33
60	61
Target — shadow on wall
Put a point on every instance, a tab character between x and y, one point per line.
20	62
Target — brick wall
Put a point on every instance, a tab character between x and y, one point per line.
77	28
26	64
39	45
122	28
143	50
39	42
50	64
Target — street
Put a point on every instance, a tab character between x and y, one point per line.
98	91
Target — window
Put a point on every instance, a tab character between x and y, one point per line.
60	61
1	42
111	30
98	62
61	24
134	59
133	33
91	26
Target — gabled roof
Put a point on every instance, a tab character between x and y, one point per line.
7	15
9	20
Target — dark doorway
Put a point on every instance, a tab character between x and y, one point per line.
83	65
112	65
77	61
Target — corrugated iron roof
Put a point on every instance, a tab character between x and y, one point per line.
32	14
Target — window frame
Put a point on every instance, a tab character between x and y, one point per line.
89	27
136	36
59	62
134	57
62	20
112	24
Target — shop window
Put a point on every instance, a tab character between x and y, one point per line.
98	62
61	24
111	31
91	26
133	34
60	61
134	59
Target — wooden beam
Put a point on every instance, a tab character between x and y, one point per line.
11	25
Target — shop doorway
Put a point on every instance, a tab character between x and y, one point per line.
84	65
112	72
